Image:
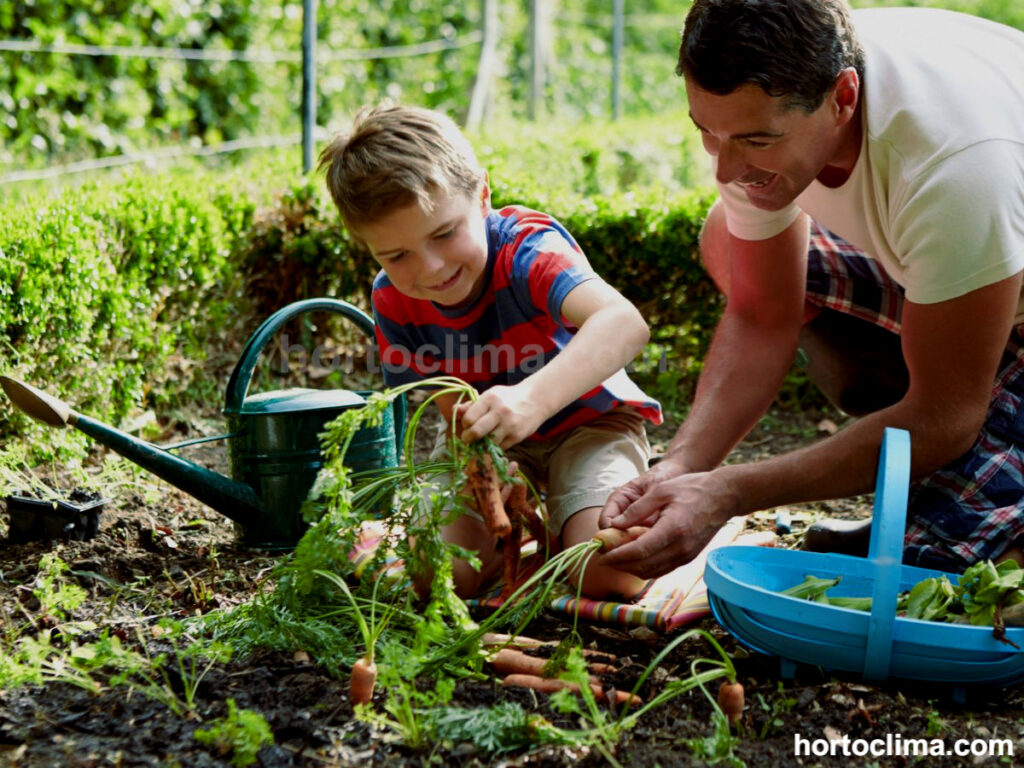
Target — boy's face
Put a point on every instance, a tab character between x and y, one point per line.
440	256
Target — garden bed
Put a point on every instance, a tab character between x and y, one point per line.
164	555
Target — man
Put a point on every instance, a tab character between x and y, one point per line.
871	171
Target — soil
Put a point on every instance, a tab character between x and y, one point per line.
160	553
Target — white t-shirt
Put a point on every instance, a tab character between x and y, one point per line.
937	193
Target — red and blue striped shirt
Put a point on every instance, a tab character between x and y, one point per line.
511	330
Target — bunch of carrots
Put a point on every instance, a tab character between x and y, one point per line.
506	520
509	657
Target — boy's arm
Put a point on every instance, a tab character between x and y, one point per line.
610	333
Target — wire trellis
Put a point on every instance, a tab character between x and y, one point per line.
195	54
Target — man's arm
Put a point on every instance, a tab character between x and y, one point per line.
754	344
952	350
752	349
610	333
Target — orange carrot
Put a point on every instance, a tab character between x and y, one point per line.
509	661
518	502
510	557
496	639
552	685
599	668
611	538
492	639
519	507
482	478
362	682
730	699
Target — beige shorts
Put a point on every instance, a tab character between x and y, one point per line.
581	468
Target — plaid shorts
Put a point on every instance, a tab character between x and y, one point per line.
973	508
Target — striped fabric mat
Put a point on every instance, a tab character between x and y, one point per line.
672	601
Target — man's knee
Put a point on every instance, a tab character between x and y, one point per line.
857	365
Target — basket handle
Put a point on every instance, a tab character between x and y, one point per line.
892	490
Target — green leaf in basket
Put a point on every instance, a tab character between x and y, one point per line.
812	588
853	603
930	599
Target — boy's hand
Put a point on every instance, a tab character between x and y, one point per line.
507	414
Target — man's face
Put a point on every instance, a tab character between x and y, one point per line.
772	153
440	256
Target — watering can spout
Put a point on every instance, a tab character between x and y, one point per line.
231	498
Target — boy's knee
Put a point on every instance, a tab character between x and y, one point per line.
601	583
468	581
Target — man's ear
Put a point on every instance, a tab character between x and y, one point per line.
846	95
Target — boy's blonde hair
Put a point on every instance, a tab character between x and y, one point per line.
395	156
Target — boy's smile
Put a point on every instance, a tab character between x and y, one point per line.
440	256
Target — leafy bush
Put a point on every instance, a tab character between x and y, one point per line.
114	296
64	107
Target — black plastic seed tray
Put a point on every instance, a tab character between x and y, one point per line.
76	518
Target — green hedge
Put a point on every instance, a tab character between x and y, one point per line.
109	295
139	294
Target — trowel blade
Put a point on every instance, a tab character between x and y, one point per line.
35	403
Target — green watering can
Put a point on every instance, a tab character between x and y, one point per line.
273	441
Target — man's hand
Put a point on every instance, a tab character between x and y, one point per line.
621	499
683	513
507	414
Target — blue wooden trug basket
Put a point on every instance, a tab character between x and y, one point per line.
744	585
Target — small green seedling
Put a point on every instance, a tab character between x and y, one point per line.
242	733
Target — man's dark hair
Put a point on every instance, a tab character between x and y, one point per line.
790	48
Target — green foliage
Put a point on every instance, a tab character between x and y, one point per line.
134	295
986	587
717	748
776	712
241	733
48	648
65	107
57	597
580	68
983	590
505	727
114	297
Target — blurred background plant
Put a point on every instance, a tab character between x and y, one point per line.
86	79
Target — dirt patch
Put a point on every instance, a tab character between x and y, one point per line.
163	554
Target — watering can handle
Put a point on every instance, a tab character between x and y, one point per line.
238	384
892	491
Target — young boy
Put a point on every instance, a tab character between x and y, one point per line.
506	301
